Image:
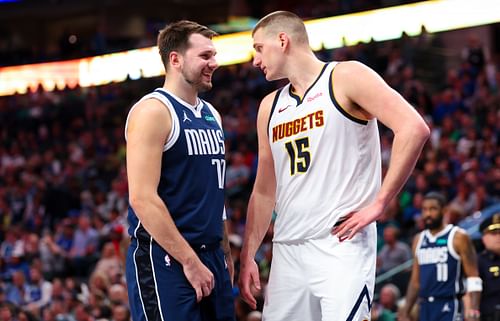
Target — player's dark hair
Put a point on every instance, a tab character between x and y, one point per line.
436	196
175	37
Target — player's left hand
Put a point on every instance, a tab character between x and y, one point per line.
355	221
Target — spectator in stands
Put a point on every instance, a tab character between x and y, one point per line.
393	252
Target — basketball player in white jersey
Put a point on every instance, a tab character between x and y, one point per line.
320	170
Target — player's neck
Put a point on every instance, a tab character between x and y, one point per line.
304	71
182	90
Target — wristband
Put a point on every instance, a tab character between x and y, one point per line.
474	284
473	314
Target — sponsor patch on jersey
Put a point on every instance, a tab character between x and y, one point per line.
442	242
209	118
309	99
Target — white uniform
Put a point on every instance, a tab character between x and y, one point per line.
327	165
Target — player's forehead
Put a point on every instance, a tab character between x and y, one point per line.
259	37
199	43
430	202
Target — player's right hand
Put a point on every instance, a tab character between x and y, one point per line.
249	277
200	278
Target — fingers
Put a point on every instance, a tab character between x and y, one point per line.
347	229
204	289
256	281
199	294
246	293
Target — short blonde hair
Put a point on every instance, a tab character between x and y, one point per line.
283	21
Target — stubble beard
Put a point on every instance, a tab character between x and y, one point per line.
196	81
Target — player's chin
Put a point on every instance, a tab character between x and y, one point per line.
205	86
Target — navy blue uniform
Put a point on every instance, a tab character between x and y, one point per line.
192	187
440	277
489	271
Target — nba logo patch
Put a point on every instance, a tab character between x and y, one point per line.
167	260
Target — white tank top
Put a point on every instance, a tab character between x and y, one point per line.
327	162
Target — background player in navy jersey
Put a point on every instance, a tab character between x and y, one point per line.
442	252
320	167
176	269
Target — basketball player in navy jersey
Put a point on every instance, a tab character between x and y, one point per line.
176	267
444	257
319	168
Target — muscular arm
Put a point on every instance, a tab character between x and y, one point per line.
148	128
465	249
362	92
260	207
413	286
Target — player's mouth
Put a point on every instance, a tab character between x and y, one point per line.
207	75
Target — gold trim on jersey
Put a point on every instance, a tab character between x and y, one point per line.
298	98
339	107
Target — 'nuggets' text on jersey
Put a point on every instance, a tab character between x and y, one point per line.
298	125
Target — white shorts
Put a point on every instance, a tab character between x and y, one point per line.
322	279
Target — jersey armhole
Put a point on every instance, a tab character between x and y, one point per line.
175	130
337	105
273	106
451	248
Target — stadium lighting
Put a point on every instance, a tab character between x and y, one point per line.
327	33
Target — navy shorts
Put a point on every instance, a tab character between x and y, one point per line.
440	309
159	291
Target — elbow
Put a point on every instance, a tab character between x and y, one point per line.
137	202
421	131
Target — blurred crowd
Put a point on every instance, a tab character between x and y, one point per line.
99	31
63	187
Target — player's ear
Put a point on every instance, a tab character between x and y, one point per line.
284	40
174	59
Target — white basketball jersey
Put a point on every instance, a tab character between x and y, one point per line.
327	162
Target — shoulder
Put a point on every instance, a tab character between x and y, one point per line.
461	240
270	98
267	103
461	235
345	69
149	109
148	115
416	239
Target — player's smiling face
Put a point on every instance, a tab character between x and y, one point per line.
199	62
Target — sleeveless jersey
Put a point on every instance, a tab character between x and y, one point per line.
440	266
192	171
327	162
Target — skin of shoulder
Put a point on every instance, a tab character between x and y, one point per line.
465	249
365	94
148	128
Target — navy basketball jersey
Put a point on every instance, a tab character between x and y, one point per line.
440	266
192	171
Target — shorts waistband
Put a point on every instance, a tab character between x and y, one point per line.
440	298
205	247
